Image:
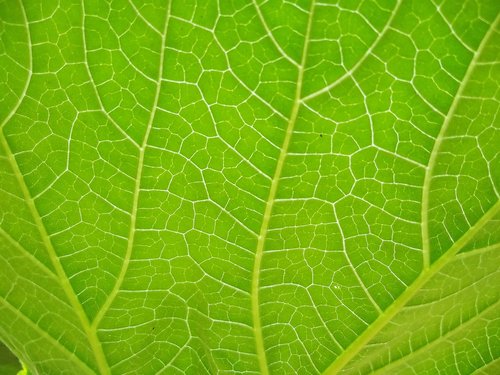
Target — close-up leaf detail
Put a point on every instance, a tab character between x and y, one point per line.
250	186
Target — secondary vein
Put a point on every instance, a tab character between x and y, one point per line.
437	145
429	270
54	259
358	344
137	188
259	252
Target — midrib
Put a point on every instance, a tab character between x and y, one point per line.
259	251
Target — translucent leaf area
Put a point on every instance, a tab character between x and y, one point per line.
250	186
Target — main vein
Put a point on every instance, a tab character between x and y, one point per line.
137	188
259	252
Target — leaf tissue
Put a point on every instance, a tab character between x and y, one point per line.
250	186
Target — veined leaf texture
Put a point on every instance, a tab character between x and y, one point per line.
250	186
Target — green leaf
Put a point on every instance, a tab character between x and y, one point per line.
273	187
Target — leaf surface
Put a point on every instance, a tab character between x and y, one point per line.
273	186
